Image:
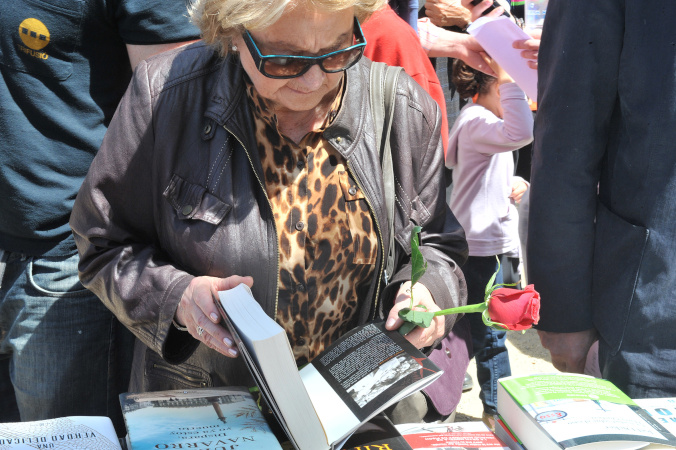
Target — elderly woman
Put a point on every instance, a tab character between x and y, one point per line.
251	158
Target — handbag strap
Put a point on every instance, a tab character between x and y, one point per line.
383	88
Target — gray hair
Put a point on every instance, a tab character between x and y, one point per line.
221	20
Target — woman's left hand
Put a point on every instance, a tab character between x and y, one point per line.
420	337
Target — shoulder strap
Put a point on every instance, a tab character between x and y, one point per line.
383	88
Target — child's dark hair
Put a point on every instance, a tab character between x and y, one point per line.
469	81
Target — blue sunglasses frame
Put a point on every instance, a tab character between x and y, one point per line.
260	60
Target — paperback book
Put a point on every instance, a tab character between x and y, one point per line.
196	419
450	436
320	406
76	432
565	410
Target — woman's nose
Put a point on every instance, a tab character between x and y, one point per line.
313	78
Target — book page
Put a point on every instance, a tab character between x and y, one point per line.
77	432
370	368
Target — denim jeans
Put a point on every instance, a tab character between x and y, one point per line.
490	350
62	352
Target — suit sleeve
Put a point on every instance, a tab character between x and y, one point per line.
577	90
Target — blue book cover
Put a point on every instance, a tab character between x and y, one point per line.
196	419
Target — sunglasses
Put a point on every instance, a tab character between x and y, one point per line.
292	66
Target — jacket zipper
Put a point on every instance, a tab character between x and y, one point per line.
265	192
180	373
380	237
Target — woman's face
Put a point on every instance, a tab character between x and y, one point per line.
300	31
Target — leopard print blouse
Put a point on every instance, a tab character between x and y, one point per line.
327	241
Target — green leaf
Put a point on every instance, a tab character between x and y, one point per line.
418	263
420	318
406	328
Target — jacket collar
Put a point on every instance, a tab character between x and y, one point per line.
228	106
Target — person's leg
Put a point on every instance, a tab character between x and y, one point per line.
490	351
69	354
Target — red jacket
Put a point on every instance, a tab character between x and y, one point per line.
391	40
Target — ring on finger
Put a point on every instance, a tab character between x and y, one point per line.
200	331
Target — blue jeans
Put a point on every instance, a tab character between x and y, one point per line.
490	351
62	352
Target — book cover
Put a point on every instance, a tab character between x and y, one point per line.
450	436
196	419
355	378
379	433
565	410
76	432
662	410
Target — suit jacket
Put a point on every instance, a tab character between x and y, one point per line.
602	240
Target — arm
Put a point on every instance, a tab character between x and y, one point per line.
442	240
138	53
447	13
121	259
439	42
578	81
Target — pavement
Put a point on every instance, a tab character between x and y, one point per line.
526	357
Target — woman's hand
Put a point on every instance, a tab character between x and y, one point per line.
198	312
420	337
530	48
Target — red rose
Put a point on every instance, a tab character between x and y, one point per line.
516	309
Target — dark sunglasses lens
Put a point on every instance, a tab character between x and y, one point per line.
284	67
343	60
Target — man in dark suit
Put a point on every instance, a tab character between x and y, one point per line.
602	237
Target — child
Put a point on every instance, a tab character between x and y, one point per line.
480	153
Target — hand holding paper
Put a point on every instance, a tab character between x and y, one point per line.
497	35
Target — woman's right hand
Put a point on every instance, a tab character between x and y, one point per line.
197	311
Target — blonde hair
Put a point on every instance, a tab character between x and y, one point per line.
221	20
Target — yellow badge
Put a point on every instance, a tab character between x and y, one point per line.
34	34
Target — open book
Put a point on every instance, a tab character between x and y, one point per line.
358	376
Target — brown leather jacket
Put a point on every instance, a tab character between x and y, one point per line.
176	192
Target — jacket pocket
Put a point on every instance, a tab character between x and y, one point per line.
359	219
162	376
192	201
618	253
40	37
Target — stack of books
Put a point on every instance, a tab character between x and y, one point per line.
569	411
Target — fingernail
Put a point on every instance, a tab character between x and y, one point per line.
390	322
233	351
214	317
228	342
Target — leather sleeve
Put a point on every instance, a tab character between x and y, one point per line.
579	61
419	177
115	231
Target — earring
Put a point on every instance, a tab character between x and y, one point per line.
234	48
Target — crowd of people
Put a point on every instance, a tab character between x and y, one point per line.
134	188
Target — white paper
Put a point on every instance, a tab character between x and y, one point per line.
496	35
